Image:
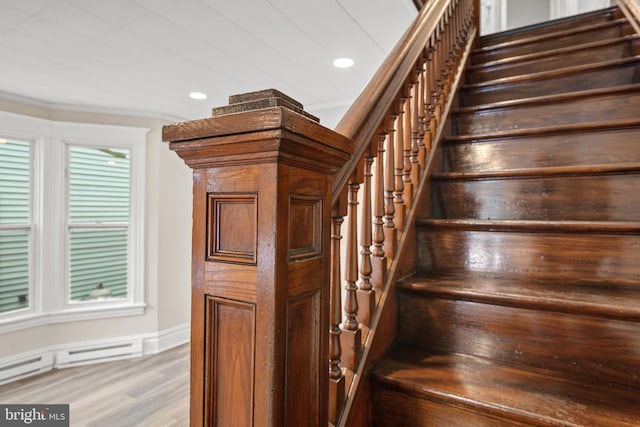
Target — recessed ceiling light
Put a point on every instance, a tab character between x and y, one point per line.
343	62
198	95
3	141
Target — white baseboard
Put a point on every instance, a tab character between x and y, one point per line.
89	352
166	339
24	365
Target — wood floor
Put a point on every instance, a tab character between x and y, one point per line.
150	391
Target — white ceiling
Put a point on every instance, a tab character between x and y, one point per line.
147	55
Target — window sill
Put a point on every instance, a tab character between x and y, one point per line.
73	314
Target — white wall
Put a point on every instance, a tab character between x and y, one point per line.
500	15
526	12
168	243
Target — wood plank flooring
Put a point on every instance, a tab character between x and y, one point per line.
149	391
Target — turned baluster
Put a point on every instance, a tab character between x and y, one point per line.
453	42
469	19
456	29
433	87
456	41
441	68
415	128
378	260
450	39
365	294
464	26
453	35
446	64
407	142
439	48
390	232
462	29
465	22
398	192
424	141
336	379
351	333
430	109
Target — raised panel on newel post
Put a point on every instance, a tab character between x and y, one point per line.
261	258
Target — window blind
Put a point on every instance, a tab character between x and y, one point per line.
99	192
15	180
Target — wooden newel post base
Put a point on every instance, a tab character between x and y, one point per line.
261	245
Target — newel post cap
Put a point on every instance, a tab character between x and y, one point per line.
259	127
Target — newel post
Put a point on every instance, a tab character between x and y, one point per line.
262	171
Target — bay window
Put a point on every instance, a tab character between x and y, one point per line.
71	221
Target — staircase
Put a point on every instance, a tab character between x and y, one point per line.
525	309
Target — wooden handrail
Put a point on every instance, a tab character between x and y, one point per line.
364	117
631	9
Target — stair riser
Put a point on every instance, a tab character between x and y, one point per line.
544	151
523	309
611	31
584	80
558	198
532	116
574	345
547	28
396	409
555	256
577	57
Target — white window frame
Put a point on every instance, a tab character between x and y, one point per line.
49	263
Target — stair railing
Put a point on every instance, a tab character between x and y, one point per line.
395	125
267	278
631	9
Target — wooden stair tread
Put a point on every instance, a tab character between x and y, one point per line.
614	168
536	226
548	99
548	36
531	318
546	130
580	19
549	74
595	298
552	52
527	396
